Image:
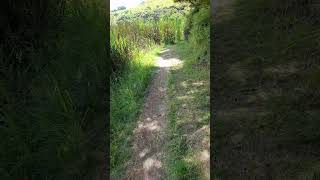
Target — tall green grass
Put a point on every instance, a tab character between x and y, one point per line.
127	38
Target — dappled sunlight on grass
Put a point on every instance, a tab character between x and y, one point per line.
189	118
184	84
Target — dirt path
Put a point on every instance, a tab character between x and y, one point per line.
149	135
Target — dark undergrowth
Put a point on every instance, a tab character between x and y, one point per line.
53	90
266	90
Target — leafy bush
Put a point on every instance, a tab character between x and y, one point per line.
200	32
197	30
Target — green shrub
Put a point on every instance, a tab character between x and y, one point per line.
197	31
200	31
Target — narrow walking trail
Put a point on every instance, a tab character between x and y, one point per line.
149	136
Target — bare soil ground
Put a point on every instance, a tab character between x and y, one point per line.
149	136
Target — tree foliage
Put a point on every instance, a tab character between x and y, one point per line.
195	2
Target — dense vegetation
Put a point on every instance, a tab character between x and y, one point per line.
53	85
197	29
266	90
130	32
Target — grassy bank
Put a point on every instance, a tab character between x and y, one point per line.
188	117
127	93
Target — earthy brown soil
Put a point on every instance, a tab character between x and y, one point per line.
147	161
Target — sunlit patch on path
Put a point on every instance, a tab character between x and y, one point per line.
149	134
166	60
